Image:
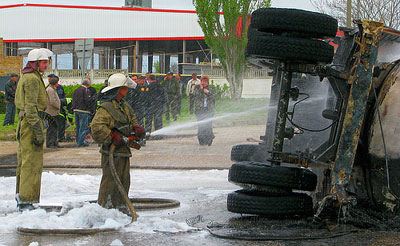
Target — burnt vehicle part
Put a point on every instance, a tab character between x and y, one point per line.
350	164
289	50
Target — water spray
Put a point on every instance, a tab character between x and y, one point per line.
189	125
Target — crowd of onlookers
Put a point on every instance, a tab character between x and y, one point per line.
150	100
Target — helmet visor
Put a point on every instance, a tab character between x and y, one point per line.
129	83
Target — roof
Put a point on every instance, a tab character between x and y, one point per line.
58	23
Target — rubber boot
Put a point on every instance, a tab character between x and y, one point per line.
23	205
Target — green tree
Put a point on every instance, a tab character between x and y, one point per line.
226	34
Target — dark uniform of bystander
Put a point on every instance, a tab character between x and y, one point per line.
204	99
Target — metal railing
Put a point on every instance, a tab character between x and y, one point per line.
77	73
251	73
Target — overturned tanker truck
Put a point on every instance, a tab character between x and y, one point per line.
332	136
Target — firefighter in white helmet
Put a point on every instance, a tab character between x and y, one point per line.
30	100
114	123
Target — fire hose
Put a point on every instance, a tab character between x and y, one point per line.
121	189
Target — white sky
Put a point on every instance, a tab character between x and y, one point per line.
162	4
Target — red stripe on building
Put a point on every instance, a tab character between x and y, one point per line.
98	8
102	39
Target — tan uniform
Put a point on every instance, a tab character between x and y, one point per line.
112	115
30	98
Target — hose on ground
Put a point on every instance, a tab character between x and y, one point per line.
120	187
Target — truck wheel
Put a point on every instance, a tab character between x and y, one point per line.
248	152
267	46
276	176
306	23
250	202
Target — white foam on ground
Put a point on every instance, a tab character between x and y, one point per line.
149	224
116	242
88	216
34	244
71	190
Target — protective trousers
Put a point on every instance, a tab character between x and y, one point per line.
30	164
109	195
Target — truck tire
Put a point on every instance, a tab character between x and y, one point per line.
306	23
301	50
276	176
248	152
247	202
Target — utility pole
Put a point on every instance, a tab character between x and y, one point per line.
348	20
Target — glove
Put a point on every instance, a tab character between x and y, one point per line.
133	143
139	131
116	139
38	138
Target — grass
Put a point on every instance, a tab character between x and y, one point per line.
7	133
247	110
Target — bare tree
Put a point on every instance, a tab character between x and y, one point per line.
386	10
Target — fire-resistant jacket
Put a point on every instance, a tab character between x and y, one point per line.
31	96
111	116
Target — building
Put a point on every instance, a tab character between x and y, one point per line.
123	35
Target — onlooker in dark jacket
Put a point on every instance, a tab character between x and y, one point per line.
172	87
92	101
82	105
157	99
10	88
204	98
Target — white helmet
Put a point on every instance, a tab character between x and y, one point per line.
38	55
48	52
119	80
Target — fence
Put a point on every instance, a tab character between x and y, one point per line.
251	73
77	73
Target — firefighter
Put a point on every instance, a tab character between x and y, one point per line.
31	101
114	123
